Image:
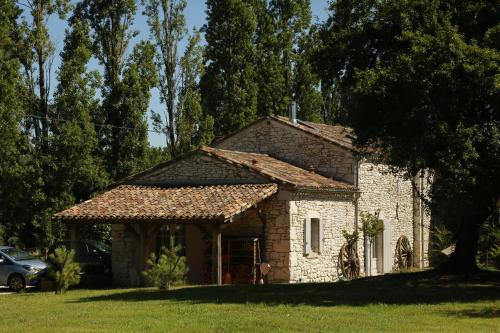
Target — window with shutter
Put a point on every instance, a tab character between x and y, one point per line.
315	235
307	236
321	237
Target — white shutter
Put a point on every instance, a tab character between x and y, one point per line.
307	236
321	236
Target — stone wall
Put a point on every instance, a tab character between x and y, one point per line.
277	239
335	215
200	169
295	147
392	195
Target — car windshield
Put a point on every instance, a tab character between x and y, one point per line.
100	246
18	254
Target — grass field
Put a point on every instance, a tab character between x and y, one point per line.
413	302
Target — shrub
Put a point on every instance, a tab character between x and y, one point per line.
371	225
64	269
351	238
168	269
489	243
440	239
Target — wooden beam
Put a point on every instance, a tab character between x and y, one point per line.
217	255
130	228
263	238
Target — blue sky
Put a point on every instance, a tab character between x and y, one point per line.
195	17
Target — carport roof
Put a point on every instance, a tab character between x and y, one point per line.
134	203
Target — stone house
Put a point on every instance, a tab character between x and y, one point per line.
285	189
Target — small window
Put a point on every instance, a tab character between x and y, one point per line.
315	235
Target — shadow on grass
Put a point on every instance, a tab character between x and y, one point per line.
488	312
407	288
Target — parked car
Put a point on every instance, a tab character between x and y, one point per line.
19	269
95	262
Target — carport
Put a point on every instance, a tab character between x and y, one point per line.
143	210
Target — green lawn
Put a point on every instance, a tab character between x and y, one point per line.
413	302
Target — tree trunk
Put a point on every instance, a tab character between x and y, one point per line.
40	45
416	221
463	259
44	114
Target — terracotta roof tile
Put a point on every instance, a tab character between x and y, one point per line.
193	203
277	170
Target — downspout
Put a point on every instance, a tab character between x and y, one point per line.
356	186
356	213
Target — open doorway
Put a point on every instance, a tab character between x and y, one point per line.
380	252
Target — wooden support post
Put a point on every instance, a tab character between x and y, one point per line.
262	246
74	238
147	241
142	247
217	255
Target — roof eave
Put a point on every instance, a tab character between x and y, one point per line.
135	220
326	189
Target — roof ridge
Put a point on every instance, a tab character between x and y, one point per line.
252	168
310	129
174	187
219	153
207	148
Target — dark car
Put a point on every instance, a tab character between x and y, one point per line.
95	262
19	269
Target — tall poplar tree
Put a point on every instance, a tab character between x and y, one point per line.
229	84
19	171
182	120
271	81
284	43
37	61
125	90
133	93
291	17
77	170
36	55
306	84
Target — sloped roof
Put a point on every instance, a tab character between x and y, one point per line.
277	170
339	135
133	203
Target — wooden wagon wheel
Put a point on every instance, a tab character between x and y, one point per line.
348	262
404	253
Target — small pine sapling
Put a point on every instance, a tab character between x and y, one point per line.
64	269
168	269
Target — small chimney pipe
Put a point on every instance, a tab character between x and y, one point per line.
293	113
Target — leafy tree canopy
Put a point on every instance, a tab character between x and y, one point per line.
422	86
